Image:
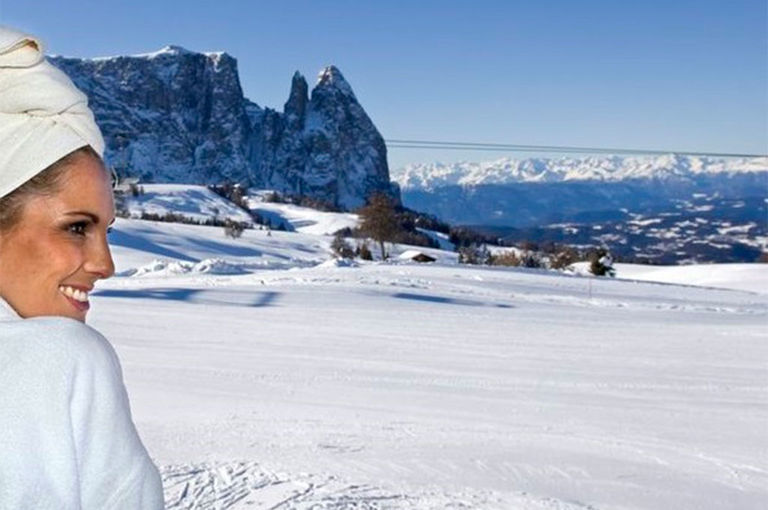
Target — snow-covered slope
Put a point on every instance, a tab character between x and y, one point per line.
194	203
547	170
295	383
301	219
746	277
147	248
198	204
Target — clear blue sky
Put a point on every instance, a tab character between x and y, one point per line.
685	75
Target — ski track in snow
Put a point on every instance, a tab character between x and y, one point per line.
247	485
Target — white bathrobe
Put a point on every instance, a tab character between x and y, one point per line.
67	441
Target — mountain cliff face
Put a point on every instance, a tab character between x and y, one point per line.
324	146
179	116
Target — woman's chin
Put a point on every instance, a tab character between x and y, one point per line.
65	309
78	315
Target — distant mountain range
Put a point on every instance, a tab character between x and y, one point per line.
668	209
176	116
533	192
431	176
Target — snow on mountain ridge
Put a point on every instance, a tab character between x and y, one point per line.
600	168
170	49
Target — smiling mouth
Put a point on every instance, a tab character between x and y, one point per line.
77	297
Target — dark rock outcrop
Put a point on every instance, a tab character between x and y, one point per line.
180	116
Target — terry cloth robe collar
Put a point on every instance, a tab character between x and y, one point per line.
6	312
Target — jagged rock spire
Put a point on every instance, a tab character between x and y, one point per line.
296	107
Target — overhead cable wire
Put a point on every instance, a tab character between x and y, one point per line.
504	147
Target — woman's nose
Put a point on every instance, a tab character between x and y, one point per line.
100	261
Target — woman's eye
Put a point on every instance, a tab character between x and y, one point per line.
78	228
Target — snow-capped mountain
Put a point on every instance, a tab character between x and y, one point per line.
431	176
179	116
532	192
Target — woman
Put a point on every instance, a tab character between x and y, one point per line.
67	440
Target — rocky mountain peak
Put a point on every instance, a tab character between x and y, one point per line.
331	78
180	116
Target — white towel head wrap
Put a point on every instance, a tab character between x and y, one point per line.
43	116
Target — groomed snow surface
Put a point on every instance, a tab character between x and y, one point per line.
263	376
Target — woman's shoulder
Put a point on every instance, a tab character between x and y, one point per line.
54	339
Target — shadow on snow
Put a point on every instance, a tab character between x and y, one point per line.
136	242
445	300
197	296
126	240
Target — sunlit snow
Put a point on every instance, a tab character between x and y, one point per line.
292	381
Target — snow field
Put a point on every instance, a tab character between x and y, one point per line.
302	219
299	384
744	277
196	203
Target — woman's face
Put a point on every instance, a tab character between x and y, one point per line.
50	260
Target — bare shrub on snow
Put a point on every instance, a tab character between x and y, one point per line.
341	248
